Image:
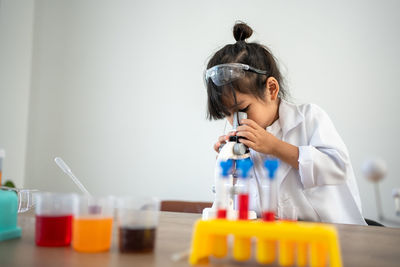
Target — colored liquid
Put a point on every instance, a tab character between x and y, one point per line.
92	234
268	216
221	213
53	231
136	239
243	206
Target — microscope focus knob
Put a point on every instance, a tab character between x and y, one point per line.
239	149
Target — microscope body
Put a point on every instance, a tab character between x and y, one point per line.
232	150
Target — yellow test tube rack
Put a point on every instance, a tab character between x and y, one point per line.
299	243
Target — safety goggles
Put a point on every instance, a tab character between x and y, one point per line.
226	73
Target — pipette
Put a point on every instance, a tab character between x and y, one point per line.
221	192
270	203
63	166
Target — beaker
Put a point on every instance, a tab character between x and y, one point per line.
54	213
137	223
92	226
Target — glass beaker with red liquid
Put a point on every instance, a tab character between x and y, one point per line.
54	213
137	223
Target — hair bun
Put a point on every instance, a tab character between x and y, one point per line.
241	31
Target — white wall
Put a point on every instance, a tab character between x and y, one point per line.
117	87
16	26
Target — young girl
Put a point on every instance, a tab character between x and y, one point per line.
315	173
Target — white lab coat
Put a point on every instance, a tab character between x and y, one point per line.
324	187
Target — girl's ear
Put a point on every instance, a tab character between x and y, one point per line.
272	88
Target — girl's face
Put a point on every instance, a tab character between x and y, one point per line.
263	111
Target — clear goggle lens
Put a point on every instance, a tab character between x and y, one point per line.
227	73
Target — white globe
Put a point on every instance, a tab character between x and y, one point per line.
374	170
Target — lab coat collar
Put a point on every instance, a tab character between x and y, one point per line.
289	116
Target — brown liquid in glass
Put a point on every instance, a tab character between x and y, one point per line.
136	239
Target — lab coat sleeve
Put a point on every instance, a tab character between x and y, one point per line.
324	160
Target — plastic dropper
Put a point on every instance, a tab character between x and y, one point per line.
63	166
270	206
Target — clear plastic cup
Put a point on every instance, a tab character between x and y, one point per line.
92	225
54	214
137	223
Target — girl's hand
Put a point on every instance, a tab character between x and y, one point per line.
222	140
257	138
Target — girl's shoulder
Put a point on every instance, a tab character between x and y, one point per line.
309	114
304	109
306	115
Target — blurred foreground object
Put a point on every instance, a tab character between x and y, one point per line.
317	244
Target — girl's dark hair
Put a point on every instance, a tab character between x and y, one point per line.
252	54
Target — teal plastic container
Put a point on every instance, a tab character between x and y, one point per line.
8	215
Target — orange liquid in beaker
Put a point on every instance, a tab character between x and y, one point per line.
92	234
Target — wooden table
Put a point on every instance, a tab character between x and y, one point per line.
360	245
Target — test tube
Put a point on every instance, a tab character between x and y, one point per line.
242	245
266	249
287	212
221	190
243	167
220	243
270	202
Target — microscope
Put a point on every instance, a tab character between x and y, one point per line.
233	150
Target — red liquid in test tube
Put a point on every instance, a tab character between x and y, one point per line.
270	199
221	214
268	216
244	166
243	206
222	193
